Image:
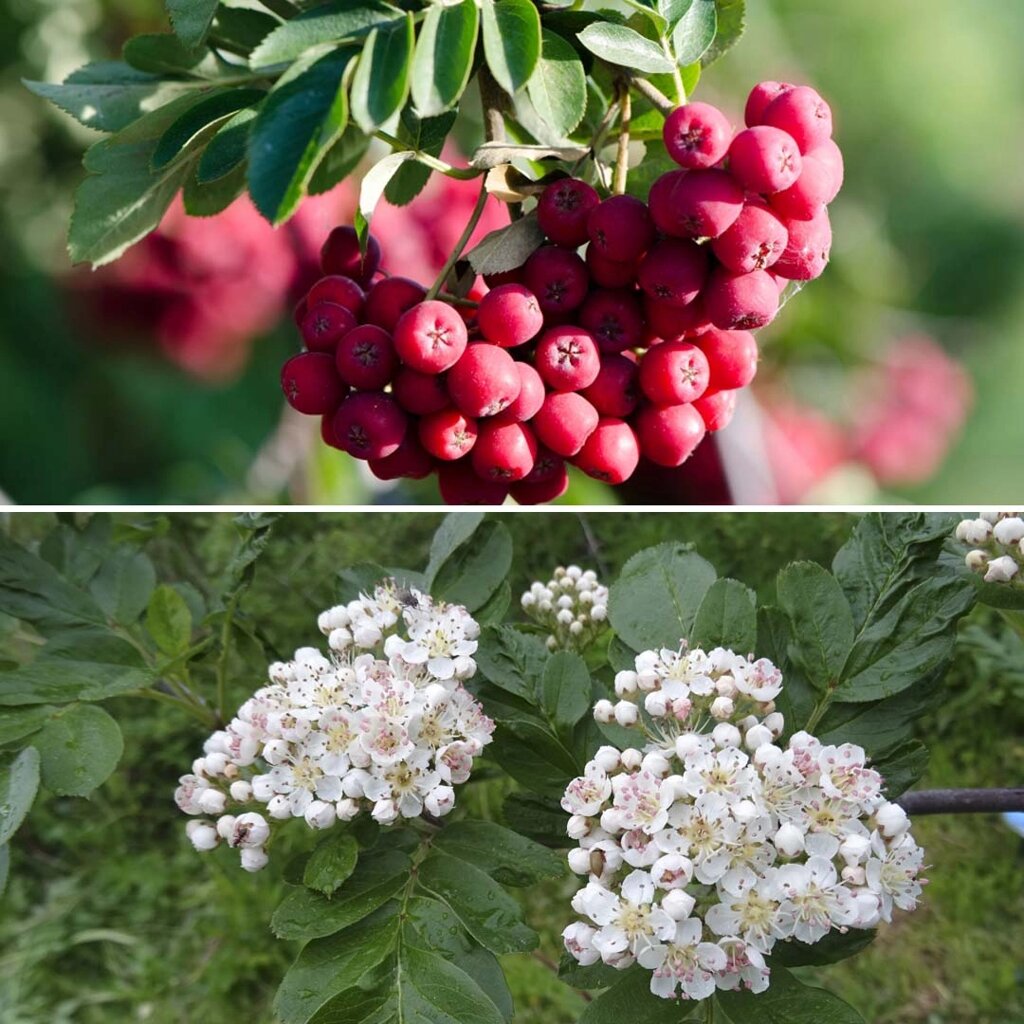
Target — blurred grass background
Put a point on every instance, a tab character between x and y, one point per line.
929	105
111	916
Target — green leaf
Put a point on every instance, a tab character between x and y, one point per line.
164	54
199	119
19	781
901	767
774	642
376	180
430	989
507	248
909	642
558	88
654	601
455	530
732	15
483	907
726	618
305	914
694	32
124	584
339	161
786	1001
207	199
830	950
33	590
241	27
511	660
821	619
82	664
77	554
631	999
169	621
596	975
424	136
443	60
79	748
512	41
17	723
565	689
381	80
5	866
296	125
476	570
879	726
109	95
191	18
506	856
625	47
228	149
496	608
330	23
331	965
331	863
540	818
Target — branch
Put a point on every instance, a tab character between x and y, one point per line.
653	94
622	155
492	98
962	801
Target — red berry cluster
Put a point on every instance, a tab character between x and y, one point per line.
636	349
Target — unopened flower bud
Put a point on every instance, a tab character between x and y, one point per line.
1009	530
678	904
579	861
892	820
631	759
212	801
1002	569
439	801
202	835
789	840
254	858
241	791
976	560
726	735
758	736
577	827
656	763
607	758
625	683
656	704
776	723
722	708
854	875
854	849
626	713
320	814
225	825
278	807
604	711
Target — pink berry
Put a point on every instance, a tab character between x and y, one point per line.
672	323
697	135
610	273
563	209
732	359
311	383
808	194
389	298
484	381
716	410
829	154
695	204
565	421
510	315
341	255
420	393
764	159
430	337
741	302
567	358
614	318
531	395
759	99
370	425
614	392
674	271
621	228
366	358
504	451
755	241
802	114
673	373
807	254
447	435
342	291
539	492
460	485
557	277
669	435
325	325
409	460
611	453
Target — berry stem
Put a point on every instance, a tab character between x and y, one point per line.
453	258
654	94
622	156
433	162
282	8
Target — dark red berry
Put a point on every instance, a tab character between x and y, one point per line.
539	492
430	337
614	318
510	315
610	273
366	358
460	485
565	421
621	228
741	302
669	434
614	392
672	323
759	99
695	204
567	358
369	425
673	373
325	325
697	135
341	255
447	435
389	298
809	194
808	250
420	393
563	209
504	451
557	277
611	453
342	291
409	460
311	383
673	271
514	276
484	381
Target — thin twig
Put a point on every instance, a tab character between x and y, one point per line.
962	801
654	94
453	257
433	162
622	155
492	100
592	544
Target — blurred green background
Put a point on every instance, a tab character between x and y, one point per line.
110	916
929	107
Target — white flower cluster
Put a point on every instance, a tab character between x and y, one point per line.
573	607
383	723
711	842
997	542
